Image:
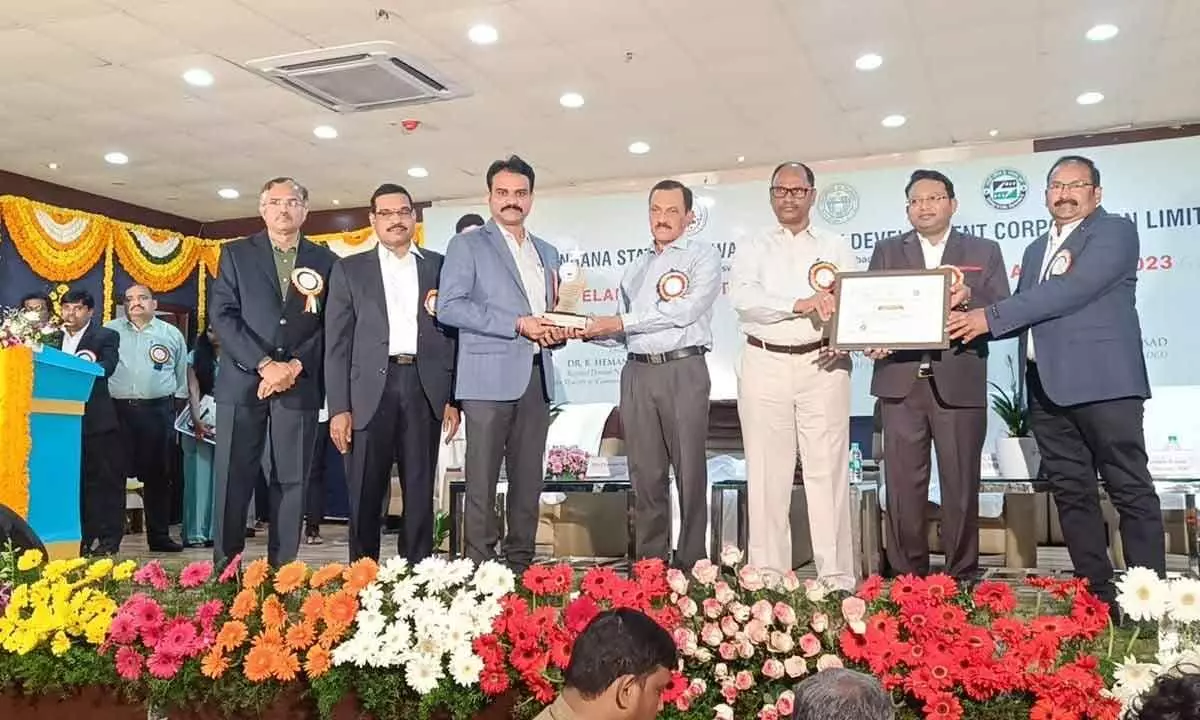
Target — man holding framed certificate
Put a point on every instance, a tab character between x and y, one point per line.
935	396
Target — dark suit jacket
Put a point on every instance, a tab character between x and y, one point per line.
356	337
253	322
100	415
960	371
1084	322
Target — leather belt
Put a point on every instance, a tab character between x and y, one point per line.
403	359
788	349
660	358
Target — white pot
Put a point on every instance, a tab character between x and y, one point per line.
1018	458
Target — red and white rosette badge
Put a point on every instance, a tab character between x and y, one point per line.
86	355
822	276
309	283
431	302
1060	263
672	285
956	275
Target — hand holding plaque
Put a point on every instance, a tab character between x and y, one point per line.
568	298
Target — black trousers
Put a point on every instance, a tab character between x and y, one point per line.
404	430
1078	441
514	432
314	493
102	493
147	433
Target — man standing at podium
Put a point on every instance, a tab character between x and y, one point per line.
102	492
267	306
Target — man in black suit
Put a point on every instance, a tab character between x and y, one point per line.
389	374
102	490
267	306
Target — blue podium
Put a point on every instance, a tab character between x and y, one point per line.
61	386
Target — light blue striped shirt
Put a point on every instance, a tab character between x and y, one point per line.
657	325
153	361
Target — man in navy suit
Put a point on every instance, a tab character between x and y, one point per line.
1081	344
496	282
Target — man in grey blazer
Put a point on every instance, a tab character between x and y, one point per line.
389	375
938	396
496	282
1081	344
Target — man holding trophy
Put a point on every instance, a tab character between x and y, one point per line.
665	316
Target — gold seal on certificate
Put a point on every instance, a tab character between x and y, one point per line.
892	310
822	276
956	275
672	285
568	298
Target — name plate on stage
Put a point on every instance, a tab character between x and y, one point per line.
891	310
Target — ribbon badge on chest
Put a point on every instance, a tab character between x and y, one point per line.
431	303
86	355
1060	263
822	276
309	283
673	284
159	355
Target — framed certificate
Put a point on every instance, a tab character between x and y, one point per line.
891	310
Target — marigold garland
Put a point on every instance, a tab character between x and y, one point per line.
47	256
106	302
16	403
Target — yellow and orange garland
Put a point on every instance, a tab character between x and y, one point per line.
16	403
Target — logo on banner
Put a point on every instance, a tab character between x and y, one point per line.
699	218
1005	189
838	203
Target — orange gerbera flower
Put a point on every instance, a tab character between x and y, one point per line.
300	637
214	665
323	575
290	577
255	574
313	607
243	604
330	637
270	640
231	636
340	608
359	575
260	661
286	666
318	662
274	615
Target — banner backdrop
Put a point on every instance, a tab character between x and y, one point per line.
999	198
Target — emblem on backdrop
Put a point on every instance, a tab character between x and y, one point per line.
1005	189
838	203
699	216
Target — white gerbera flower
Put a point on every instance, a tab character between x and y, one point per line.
1142	594
423	673
1184	602
494	580
1132	678
371	597
465	668
392	570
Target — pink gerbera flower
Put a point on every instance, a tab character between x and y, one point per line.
123	629
163	666
178	641
196	574
229	574
153	575
129	663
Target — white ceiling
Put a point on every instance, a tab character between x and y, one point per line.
709	80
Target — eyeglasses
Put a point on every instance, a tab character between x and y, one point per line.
1072	186
780	192
291	203
404	212
931	200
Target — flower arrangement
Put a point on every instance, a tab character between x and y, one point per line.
570	462
24	327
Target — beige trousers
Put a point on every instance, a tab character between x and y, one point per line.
787	403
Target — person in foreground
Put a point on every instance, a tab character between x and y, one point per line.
1081	347
619	667
840	694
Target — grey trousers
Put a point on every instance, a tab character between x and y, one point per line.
515	432
664	414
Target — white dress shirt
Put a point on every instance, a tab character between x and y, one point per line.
1054	240
932	252
770	273
529	265
401	290
70	343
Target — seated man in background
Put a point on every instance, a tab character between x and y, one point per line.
839	694
619	667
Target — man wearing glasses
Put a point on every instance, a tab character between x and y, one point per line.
1081	345
937	397
267	304
792	395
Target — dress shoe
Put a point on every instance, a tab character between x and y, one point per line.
165	546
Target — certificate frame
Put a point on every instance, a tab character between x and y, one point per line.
848	287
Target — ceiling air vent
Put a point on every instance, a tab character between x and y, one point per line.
354	78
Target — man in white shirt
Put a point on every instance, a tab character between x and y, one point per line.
792	396
389	374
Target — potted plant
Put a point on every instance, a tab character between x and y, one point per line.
1017	454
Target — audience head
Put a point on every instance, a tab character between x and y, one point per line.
283	205
510	191
840	694
37	302
470	221
670	210
792	193
140	304
393	216
1072	189
621	664
77	307
929	197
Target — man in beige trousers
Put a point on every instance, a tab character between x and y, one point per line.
793	394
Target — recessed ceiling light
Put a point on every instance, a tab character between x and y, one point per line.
418	172
1102	32
741	158
483	34
1089	98
198	77
337	202
870	61
571	100
52	166
229	193
116	158
639	148
325	132
893	121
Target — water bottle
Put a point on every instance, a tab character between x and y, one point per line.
856	463
1172	443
